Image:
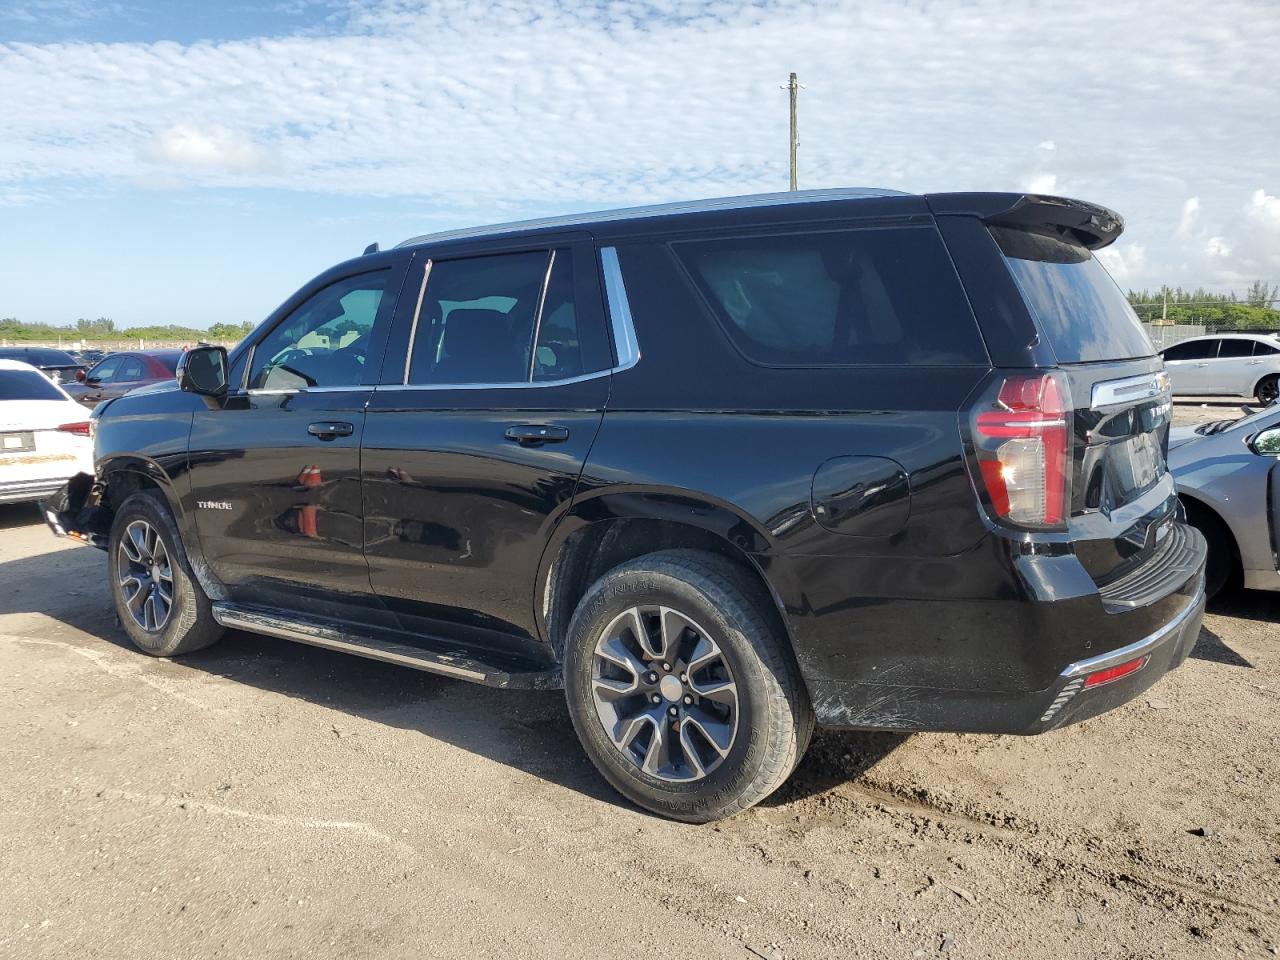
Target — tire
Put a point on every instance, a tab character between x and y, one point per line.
1268	389
723	633
143	545
1222	568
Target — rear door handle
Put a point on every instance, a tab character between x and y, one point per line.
330	430
532	434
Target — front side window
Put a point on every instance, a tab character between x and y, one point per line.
105	372
1192	350
851	297
325	341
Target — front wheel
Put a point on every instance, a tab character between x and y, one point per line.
683	689
1268	389
159	603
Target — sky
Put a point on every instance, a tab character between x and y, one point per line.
190	163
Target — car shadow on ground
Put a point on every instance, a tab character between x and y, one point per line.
13	515
527	730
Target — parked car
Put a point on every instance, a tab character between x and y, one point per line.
1228	475
1237	365
90	357
44	434
700	465
121	372
58	365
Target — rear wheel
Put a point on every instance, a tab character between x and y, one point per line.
157	599
683	689
1268	389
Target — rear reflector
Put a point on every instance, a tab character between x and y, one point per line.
1100	677
80	429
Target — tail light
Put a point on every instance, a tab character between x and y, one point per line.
80	428
1022	440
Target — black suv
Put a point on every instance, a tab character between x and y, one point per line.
721	470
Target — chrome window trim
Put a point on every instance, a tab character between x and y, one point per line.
625	343
537	316
511	384
417	313
260	392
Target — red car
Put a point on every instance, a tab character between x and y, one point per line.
119	373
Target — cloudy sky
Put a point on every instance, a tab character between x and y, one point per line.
195	162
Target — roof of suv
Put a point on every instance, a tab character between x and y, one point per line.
657	210
1093	225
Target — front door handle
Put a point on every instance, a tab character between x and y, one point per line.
532	434
330	430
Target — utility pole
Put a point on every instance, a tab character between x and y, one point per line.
793	87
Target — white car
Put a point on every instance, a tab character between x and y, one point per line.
1235	364
44	434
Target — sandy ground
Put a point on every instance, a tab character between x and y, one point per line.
272	800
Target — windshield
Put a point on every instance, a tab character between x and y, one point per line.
1075	302
27	385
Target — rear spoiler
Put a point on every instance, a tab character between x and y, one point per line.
1087	223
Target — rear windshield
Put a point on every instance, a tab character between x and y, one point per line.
850	297
27	385
1074	300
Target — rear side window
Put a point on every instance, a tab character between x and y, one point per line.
1075	302
27	385
1261	349
884	296
1235	347
506	318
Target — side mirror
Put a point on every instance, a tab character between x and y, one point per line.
80	375
1267	443
203	370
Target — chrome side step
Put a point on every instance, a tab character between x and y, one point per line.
449	660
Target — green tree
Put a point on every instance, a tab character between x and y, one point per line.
1260	294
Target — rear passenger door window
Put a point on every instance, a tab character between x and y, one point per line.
503	319
130	369
875	296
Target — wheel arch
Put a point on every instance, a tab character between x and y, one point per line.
1271	375
1193	502
608	530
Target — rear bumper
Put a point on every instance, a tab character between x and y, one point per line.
18	491
1160	634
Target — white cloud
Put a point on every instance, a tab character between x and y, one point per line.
1188	220
1042	183
214	147
1127	262
489	108
1217	247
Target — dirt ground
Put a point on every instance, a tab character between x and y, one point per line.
268	799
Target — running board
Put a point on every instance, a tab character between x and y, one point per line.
490	668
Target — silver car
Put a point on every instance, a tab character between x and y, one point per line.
1228	475
1239	365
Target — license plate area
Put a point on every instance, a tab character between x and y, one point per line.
17	442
